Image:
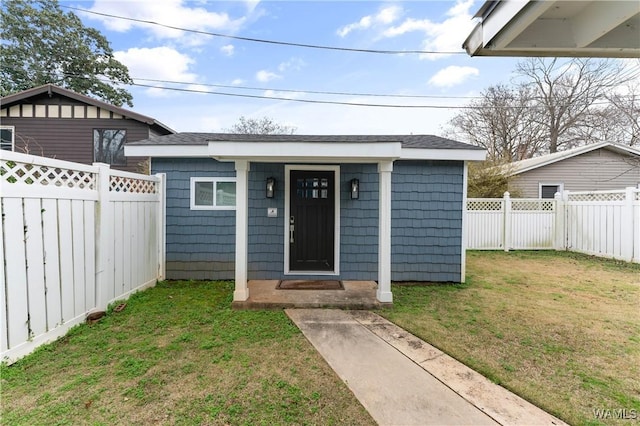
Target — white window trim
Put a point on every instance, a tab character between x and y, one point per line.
541	184
215	180
13	136
287	210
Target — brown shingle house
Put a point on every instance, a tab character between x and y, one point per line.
54	122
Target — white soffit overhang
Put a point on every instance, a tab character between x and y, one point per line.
309	152
602	28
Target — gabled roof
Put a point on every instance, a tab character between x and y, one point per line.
229	146
50	89
522	166
589	28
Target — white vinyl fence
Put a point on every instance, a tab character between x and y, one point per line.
600	223
73	239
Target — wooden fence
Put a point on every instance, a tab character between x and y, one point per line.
74	238
600	223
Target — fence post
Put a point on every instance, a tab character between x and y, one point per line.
506	223
559	241
161	224
626	222
104	238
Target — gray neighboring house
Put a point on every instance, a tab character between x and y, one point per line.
596	167
272	207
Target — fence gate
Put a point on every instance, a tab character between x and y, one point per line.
73	238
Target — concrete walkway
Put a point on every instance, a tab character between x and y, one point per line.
402	380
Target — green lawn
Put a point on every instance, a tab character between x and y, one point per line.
561	330
178	354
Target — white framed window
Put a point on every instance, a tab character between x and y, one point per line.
208	193
548	190
108	146
7	138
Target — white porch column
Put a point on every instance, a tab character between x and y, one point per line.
241	292
384	232
463	249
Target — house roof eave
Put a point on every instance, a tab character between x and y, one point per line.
51	88
523	166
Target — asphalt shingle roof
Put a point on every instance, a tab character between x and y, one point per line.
407	141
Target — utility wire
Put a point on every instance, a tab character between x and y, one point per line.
275	42
358	104
309	101
381	95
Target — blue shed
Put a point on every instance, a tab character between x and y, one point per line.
255	207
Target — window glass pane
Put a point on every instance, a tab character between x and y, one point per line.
6	139
549	191
108	146
226	194
204	194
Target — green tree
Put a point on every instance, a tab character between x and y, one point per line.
490	179
260	126
41	44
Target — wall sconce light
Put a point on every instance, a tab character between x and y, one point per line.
355	189
271	187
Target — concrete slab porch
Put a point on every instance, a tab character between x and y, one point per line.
263	294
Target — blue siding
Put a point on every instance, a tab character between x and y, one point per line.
200	243
266	234
426	220
359	223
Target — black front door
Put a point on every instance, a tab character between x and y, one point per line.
311	220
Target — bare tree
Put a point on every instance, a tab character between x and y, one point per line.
260	126
565	93
503	122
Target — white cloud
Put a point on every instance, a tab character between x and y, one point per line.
170	12
452	76
295	64
385	16
445	36
158	63
228	49
237	82
264	76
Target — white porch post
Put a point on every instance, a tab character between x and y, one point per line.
463	249
241	292
384	232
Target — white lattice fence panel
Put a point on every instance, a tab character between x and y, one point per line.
132	185
41	174
533	205
485	205
484	224
605	196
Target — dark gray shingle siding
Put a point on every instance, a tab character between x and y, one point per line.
426	221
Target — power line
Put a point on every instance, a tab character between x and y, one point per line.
309	101
315	92
275	42
358	104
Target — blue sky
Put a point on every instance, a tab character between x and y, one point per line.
158	53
